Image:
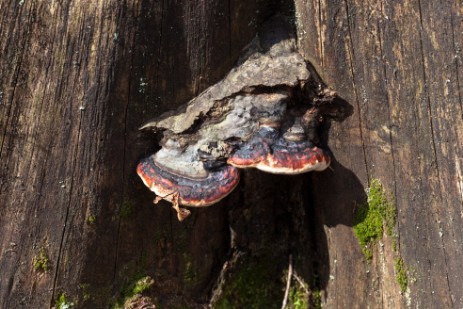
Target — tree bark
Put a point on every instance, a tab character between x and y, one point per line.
399	65
78	78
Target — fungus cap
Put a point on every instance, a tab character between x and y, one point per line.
191	190
276	154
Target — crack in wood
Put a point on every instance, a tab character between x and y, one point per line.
66	217
351	51
23	48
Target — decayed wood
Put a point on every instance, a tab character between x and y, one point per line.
52	142
77	80
399	64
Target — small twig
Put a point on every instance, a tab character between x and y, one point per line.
301	282
288	282
182	213
159	198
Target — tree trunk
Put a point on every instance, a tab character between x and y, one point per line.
399	64
77	225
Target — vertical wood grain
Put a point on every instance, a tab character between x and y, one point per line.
399	64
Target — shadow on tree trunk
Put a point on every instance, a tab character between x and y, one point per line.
235	252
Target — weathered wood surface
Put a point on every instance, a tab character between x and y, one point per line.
77	78
399	64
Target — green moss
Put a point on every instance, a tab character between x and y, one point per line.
371	217
137	287
126	209
298	298
253	286
316	300
369	222
63	303
41	262
401	274
84	287
142	285
91	219
189	274
394	244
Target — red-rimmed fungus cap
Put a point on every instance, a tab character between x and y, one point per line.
191	191
295	158
276	154
256	150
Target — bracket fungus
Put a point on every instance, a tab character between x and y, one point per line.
267	113
289	153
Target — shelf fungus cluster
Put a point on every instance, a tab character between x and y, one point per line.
268	113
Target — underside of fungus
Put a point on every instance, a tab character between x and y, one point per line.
267	113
